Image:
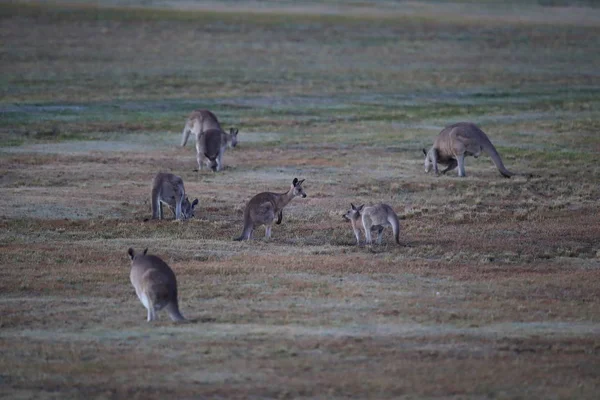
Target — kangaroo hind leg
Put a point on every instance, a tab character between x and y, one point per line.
461	165
179	197
453	164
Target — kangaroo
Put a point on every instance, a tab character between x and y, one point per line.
457	141
168	189
262	209
198	122
201	121
375	217
209	149
227	140
155	285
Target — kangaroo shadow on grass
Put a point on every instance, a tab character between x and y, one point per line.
198	320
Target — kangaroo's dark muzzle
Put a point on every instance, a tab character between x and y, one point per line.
303	195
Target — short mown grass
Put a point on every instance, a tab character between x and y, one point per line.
493	292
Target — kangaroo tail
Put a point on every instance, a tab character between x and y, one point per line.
393	220
155	203
173	311
245	233
185	134
493	153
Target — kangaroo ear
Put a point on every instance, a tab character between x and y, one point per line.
360	208
424	151
131	253
145	250
194	203
353	207
300	182
295	181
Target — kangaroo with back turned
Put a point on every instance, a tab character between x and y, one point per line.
457	141
373	218
168	189
155	285
201	121
264	207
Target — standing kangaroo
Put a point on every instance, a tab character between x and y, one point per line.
457	141
155	285
168	189
375	217
262	209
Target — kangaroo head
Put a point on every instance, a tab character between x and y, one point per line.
131	253
427	163
354	213
297	188
187	208
233	135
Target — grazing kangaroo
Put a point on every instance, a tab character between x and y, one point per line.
209	149
262	209
198	122
375	217
457	141
155	285
168	189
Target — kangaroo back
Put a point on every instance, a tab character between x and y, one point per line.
198	122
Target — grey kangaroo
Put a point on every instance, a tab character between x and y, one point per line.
457	141
209	150
264	207
155	285
198	122
375	217
168	189
209	143
201	121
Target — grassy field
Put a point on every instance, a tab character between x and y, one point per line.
494	293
